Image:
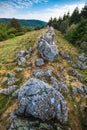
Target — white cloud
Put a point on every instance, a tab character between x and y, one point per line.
43	14
20	3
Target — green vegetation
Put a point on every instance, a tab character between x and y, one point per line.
73	27
9	28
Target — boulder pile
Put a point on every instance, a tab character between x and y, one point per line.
37	99
47	47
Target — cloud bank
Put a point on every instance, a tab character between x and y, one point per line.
11	10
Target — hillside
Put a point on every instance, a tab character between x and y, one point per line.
28	23
77	117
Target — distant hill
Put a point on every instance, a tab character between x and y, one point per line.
33	23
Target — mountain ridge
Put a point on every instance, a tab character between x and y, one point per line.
26	22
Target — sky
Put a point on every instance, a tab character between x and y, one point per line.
38	9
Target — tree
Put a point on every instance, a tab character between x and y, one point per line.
75	17
50	22
84	11
15	24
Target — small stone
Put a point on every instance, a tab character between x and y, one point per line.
11	81
19	69
10	74
8	90
39	62
38	73
28	63
48	72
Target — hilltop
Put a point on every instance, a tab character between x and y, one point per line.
29	23
61	69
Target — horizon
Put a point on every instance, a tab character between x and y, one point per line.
38	9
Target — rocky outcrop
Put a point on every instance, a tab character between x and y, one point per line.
23	55
47	47
42	101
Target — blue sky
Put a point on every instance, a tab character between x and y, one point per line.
38	9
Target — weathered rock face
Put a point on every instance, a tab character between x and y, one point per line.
40	100
47	46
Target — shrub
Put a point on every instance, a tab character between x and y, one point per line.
11	35
11	31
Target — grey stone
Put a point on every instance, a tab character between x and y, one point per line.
39	62
55	83
48	72
22	56
81	66
40	100
75	73
31	50
82	57
27	56
47	47
8	90
10	74
28	63
81	90
11	81
66	56
59	86
38	73
22	53
21	60
19	69
63	87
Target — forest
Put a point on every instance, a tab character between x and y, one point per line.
74	27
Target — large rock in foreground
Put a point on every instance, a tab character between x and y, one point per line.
47	46
40	100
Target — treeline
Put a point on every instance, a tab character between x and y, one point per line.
13	28
74	27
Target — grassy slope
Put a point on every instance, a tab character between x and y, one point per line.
8	50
